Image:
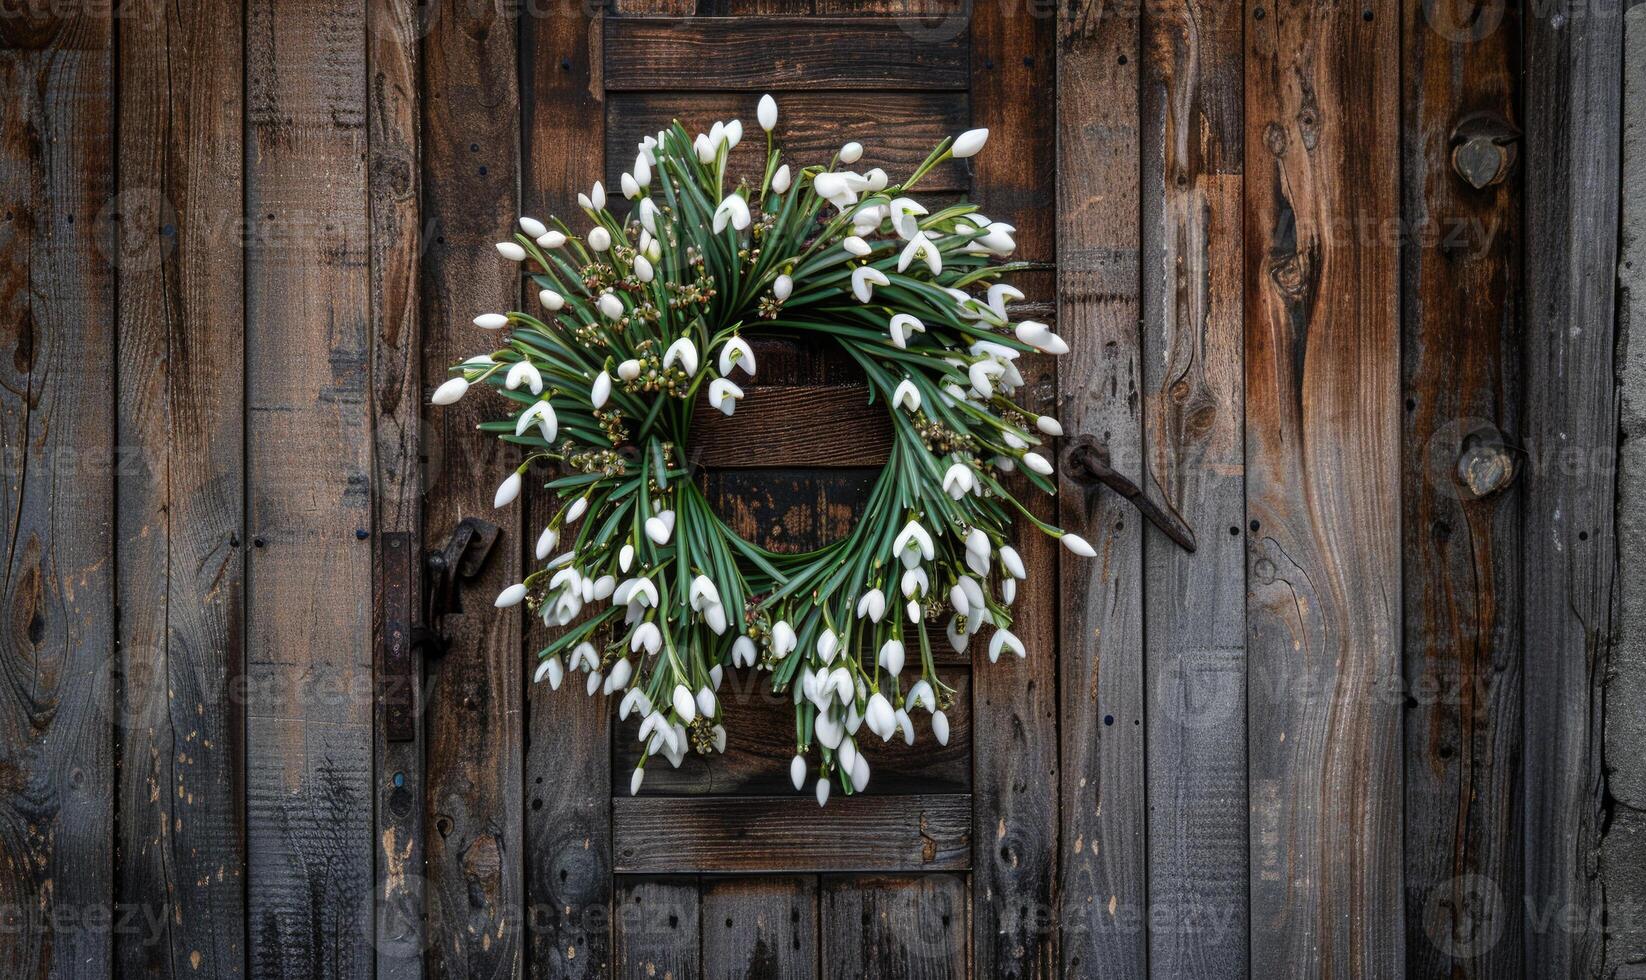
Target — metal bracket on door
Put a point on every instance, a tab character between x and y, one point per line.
462	557
1087	462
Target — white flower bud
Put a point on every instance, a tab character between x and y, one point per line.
450	392
533	228
511	251
767	113
511	596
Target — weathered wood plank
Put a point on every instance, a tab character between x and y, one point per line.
658	929
779	425
471	161
568	757
308	478
1460	345
760	928
1102	855
393	119
760	743
1573	104
790	510
784	833
780	53
905	927
59	693
1195	604
1322	472
181	813
897	129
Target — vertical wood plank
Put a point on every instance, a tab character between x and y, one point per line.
1322	471
908	928
1104	878
1573	114
180	489
568	759
1015	772
58	671
308	477
1195	604
658	930
393	116
1460	326
759	928
471	160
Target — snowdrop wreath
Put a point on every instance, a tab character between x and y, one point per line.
640	315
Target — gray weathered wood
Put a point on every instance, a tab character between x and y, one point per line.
657	930
760	928
910	928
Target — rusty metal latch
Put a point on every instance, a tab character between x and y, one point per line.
1088	462
462	557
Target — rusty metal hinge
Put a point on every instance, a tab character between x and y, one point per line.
1087	461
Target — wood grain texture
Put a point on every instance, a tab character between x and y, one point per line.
308	478
760	928
181	501
1103	848
780	425
908	927
780	53
1195	604
660	835
897	129
1461	345
471	161
1573	102
760	743
1322	472
1014	702
394	121
568	752
657	932
58	669
789	510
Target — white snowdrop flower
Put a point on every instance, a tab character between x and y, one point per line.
599	238
1003	639
1004	464
1039	336
744	653
724	395
546	542
867	220
982	375
1013	562
877	181
974	597
921	694
782	288
618	679
906	395
597	196
718	735
1078	545
968	143
551	300
733	133
703	593
766	113
577	509
657	530
630	186
891	657
683	351
1014	441
507	491
632	701
705	702
625	557
879	717
902	326
977	543
642	170
822	791
846	755
585	652
602	587
781	180
958	481
716	673
600	390
1037	463
915	583
797	772
647	636
511	251
643	270
913	544
511	596
828	728
905	724
629	370
553	670
905	215
542	413
856	246
860	774
957	599
552	239
830	186
734	211
533	228
736	352
634	780
998	240
851	152
872	605
1049	425
648	215
654	251
450	392
827	646
999	294
920	247
913	611
491	321
610	305
783	639
940	727
1008	591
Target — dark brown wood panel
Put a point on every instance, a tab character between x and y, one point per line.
59	693
1322	478
308	479
778	53
1573	101
886	926
897	129
660	835
1460	520
181	500
657	932
780	425
1195	603
471	160
760	928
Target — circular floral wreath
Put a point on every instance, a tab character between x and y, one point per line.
640	314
